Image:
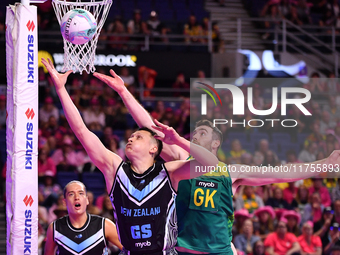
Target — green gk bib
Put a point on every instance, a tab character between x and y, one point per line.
205	195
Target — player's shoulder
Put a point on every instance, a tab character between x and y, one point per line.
220	171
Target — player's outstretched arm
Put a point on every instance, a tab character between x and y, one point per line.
139	114
50	245
180	169
253	175
111	234
103	158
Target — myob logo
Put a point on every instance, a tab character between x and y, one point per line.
239	103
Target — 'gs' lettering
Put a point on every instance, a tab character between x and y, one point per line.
139	232
208	198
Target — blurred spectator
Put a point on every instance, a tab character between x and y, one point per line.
91	208
332	108
215	34
249	200
336	191
333	85
240	216
271	159
85	97
158	111
66	158
328	19
49	190
302	197
50	128
115	115
247	159
236	152
244	242
294	17
321	227
192	29
263	147
113	146
45	163
127	134
136	27
316	135
318	6
277	201
333	238
303	11
293	221
290	193
266	217
310	243
309	154
156	28
146	79
323	191
180	83
336	206
284	7
316	86
56	209
200	79
258	248
2	112
258	100
94	117
335	250
127	77
292	157
218	43
271	11
117	40
107	208
281	242
313	210
48	110
326	122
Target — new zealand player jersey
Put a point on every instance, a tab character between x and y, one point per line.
144	209
89	239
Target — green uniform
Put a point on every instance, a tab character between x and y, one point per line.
205	212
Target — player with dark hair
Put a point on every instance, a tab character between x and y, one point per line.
205	215
79	232
142	191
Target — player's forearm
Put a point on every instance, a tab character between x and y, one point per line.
71	112
138	113
202	155
295	248
284	173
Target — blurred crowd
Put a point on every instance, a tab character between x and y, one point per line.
305	212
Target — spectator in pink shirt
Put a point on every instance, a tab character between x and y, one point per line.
310	243
45	163
289	193
281	242
323	191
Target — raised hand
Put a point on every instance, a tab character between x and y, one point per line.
114	82
59	79
170	134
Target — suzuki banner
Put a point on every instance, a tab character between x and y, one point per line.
22	129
